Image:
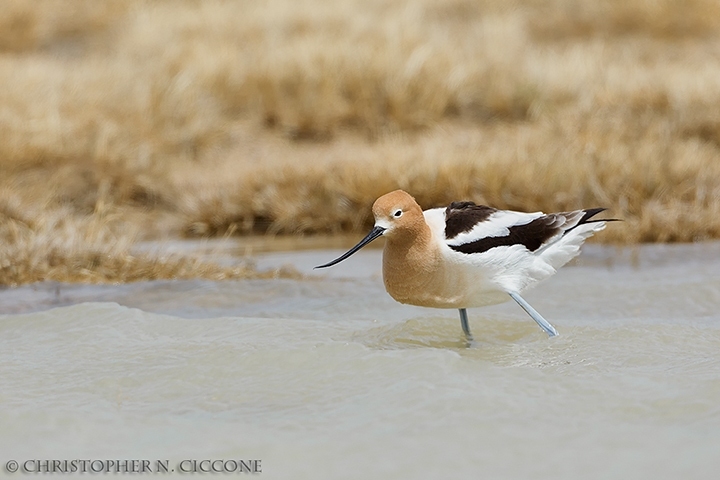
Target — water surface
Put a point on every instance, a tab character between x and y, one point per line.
327	377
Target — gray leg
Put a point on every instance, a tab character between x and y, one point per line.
544	324
465	325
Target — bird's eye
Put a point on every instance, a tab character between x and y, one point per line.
397	213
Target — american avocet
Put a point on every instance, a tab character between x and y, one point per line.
469	255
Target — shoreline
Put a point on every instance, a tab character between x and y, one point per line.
297	266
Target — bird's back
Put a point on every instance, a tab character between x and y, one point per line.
493	252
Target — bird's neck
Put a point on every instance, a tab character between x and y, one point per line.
410	262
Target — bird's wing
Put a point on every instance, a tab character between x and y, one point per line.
471	228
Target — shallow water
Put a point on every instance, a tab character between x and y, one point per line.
327	377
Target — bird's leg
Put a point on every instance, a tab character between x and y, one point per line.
465	325
544	324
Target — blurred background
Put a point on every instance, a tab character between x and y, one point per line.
124	121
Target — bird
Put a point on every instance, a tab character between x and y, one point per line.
467	255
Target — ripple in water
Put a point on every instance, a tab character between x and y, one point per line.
328	377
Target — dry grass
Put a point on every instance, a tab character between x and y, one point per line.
134	119
95	249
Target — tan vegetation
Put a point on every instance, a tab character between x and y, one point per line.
59	246
124	120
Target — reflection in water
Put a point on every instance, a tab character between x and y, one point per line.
442	332
327	377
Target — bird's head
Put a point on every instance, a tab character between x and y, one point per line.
397	214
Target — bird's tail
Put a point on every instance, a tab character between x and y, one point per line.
568	246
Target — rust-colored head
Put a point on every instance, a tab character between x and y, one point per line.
397	213
397	216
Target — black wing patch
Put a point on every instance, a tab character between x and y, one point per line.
534	234
461	217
